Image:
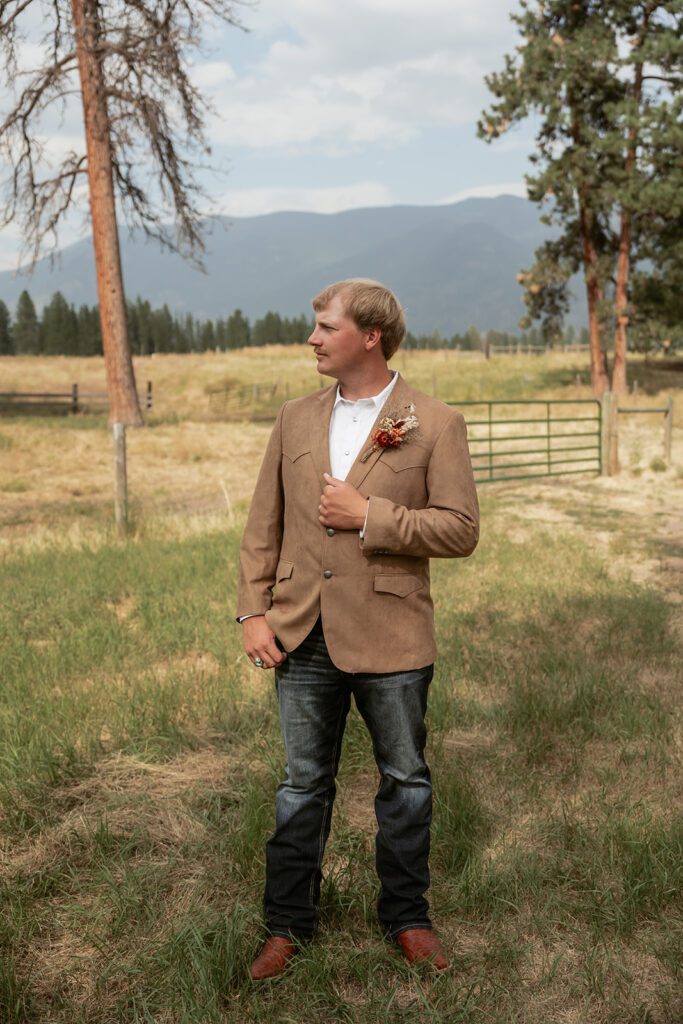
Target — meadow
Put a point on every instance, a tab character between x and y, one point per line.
140	750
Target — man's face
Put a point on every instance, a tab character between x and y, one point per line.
339	344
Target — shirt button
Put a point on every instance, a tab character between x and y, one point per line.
346	453
327	574
355	419
330	531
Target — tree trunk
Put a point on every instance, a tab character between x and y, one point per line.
123	400
599	378
619	382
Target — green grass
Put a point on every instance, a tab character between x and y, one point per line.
139	759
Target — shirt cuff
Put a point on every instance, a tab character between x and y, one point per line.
365	524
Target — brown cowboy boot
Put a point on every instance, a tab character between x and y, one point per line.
420	945
273	958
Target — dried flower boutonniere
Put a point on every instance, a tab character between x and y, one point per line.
393	431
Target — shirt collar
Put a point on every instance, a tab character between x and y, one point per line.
378	400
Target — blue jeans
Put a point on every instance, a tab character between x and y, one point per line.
314	699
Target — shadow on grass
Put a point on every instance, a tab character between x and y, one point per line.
653	377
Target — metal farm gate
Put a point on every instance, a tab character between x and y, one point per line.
560	436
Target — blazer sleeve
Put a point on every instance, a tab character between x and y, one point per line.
262	537
448	527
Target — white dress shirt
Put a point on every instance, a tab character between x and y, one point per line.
350	424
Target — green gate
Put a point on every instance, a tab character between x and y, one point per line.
562	436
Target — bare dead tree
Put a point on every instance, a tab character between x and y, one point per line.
144	119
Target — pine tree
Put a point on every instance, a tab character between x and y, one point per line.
238	333
26	329
268	330
207	336
588	71
6	340
59	327
88	331
221	336
163	332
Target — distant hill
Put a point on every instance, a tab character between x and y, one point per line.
451	266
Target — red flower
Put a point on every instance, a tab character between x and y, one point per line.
392	433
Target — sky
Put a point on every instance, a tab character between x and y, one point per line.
326	106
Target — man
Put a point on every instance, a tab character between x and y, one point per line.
334	595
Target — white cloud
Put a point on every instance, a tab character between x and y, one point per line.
253	202
363	71
210	73
512	188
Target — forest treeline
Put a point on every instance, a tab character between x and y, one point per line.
61	329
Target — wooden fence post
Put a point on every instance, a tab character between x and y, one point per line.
74	397
610	435
121	485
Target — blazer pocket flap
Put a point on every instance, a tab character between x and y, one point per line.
284	570
294	452
400	584
408	457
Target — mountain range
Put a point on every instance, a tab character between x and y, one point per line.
451	266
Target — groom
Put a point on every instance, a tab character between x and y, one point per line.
334	595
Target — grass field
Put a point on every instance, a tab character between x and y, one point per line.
140	751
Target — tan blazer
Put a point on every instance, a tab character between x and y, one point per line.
373	594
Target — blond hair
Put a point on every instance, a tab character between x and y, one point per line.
369	304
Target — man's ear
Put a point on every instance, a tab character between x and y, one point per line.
374	337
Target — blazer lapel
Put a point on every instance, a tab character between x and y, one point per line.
319	430
398	398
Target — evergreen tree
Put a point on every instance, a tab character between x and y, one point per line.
268	330
207	336
89	331
59	327
143	317
6	340
186	340
238	333
221	336
605	81
26	329
163	331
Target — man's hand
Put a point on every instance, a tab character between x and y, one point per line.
259	642
341	505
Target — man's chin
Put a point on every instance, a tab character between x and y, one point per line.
323	371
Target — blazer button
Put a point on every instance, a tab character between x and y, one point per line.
327	574
330	531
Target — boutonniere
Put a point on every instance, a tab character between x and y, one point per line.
393	431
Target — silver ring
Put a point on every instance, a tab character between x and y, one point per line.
257	661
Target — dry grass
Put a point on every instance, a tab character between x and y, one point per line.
189	472
181	383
